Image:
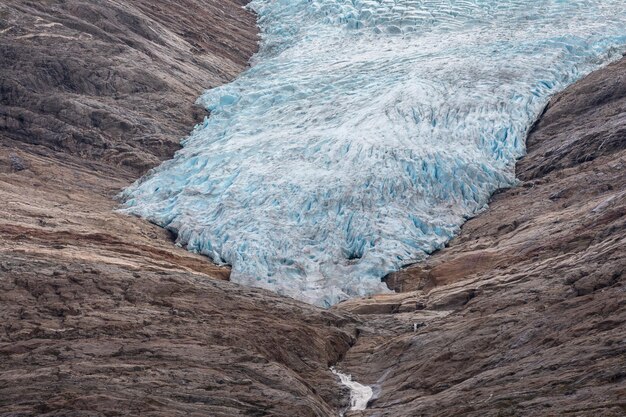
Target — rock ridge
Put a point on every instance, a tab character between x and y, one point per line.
101	313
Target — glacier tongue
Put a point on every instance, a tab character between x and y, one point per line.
367	132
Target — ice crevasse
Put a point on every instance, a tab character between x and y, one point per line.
366	132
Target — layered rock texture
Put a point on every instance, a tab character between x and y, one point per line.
92	94
523	314
100	313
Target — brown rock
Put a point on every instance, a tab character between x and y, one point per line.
101	314
89	338
534	286
92	93
524	313
115	82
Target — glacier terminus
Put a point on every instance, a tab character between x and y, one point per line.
366	132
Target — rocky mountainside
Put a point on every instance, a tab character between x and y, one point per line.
101	314
92	94
523	314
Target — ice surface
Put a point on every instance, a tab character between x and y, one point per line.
367	132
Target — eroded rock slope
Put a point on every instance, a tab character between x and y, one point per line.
525	312
92	94
100	313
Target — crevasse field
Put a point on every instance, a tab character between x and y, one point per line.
366	132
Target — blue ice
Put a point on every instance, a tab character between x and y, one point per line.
366	132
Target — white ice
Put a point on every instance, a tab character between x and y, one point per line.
366	132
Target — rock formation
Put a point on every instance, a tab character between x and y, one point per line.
523	314
101	314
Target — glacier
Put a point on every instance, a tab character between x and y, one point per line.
366	132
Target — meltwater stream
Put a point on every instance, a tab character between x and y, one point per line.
366	132
359	394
